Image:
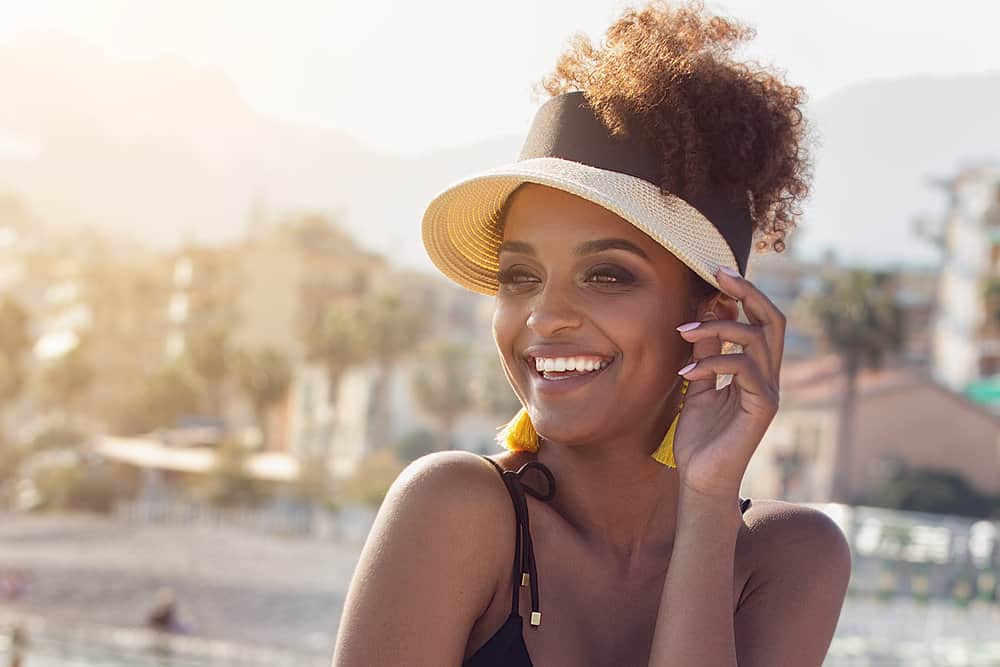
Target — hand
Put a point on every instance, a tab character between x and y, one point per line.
718	431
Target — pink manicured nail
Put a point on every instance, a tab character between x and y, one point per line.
730	271
688	326
688	368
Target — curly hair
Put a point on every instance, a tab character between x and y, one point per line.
667	72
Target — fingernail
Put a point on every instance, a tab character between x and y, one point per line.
729	271
688	326
688	368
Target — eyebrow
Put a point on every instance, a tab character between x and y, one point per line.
587	248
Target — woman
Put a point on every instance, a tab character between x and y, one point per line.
616	247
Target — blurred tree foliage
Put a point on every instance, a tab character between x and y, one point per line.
414	444
855	314
15	340
315	484
264	375
86	485
991	304
166	395
935	491
230	485
442	380
391	327
338	342
68	378
208	353
491	389
374	476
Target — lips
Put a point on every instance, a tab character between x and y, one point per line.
558	382
534	352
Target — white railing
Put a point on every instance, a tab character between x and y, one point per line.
920	555
349	525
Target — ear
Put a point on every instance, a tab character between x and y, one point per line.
723	306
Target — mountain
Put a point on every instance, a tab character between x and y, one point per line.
883	143
164	151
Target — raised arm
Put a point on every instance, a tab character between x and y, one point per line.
429	567
788	618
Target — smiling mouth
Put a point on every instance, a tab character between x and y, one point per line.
565	368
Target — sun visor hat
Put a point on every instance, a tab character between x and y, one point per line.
569	148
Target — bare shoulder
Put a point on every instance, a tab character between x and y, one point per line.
800	565
453	476
448	496
781	531
430	566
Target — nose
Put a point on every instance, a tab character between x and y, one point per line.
552	311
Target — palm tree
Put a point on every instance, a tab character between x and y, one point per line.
14	336
167	393
337	341
391	327
857	317
15	340
67	380
991	304
491	389
264	375
208	354
442	383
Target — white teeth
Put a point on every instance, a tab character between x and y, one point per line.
561	364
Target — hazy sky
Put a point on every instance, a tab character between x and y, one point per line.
414	75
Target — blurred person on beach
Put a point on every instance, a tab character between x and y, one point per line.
18	643
13	584
164	615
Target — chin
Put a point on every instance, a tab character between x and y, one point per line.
567	429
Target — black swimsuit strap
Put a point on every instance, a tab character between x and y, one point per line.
524	552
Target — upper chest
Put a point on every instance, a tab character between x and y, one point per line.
596	610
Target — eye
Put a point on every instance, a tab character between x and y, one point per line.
610	275
515	275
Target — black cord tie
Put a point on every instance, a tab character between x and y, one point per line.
524	552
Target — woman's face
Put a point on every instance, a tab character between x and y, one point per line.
582	288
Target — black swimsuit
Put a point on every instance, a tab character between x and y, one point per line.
506	648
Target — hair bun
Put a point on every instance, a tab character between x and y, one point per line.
667	72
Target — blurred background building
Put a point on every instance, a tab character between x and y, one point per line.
966	332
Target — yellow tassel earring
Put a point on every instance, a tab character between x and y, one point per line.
665	452
518	435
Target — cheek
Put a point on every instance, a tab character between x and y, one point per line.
504	325
646	333
508	322
506	328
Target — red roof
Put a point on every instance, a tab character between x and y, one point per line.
821	381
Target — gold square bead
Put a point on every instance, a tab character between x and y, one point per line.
525	577
536	618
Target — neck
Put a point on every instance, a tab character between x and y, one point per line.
616	497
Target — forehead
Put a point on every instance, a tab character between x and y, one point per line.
542	215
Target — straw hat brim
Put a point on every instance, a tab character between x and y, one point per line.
461	224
